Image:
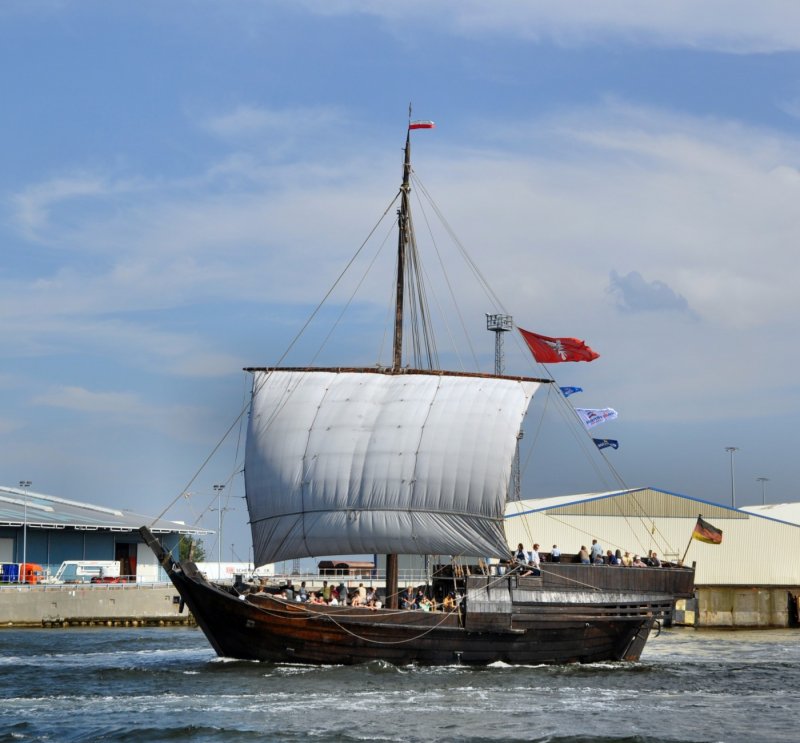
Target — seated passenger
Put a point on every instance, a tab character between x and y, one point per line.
449	603
407	599
522	569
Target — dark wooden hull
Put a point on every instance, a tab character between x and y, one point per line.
539	624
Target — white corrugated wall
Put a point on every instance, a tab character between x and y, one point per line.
755	551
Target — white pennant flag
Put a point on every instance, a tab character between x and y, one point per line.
594	416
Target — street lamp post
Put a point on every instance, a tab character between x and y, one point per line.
24	484
763	481
731	450
218	489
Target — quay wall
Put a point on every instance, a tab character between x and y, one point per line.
739	607
87	604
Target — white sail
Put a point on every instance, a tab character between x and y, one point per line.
364	462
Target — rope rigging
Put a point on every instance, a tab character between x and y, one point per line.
421	340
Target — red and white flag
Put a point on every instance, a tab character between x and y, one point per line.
555	350
421	125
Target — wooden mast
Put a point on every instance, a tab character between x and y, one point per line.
402	241
397	360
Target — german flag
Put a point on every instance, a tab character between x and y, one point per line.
704	532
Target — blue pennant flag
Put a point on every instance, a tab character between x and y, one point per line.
567	391
603	443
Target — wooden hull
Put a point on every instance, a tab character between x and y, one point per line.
538	626
269	629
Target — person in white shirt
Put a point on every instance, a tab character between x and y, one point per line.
535	561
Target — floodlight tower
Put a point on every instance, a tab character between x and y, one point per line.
219	509
763	481
500	324
732	450
23	574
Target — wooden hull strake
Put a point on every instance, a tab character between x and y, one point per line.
510	620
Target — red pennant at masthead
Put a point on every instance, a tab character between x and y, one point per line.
421	125
555	350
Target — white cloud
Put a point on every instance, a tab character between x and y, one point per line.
108	410
249	120
635	294
737	26
62	326
8	425
118	404
32	206
43	212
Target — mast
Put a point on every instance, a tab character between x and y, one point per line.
397	357
402	241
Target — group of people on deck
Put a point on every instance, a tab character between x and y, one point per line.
421	602
332	595
364	596
595	556
529	562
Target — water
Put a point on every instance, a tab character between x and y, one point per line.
167	685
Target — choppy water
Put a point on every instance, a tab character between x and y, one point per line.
167	685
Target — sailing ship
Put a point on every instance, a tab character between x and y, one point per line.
397	460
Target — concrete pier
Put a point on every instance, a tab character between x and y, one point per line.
112	604
740	607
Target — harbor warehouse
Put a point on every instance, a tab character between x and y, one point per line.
750	579
84	564
48	530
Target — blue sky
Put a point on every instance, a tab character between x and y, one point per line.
182	182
